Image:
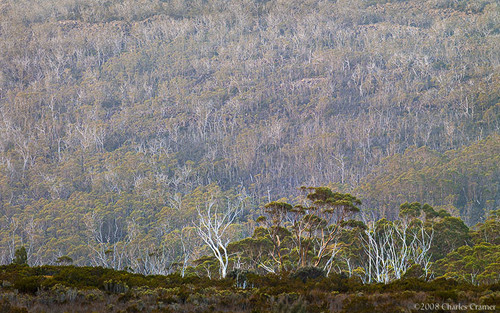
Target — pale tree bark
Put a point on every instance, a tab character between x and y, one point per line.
213	227
334	249
392	250
107	250
95	240
189	244
13	226
32	230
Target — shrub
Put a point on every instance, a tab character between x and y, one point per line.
308	273
28	284
113	286
20	256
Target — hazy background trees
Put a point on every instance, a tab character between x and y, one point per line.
133	111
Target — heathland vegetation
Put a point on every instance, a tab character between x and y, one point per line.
172	137
303	258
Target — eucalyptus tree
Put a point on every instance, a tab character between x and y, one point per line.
214	223
392	248
308	231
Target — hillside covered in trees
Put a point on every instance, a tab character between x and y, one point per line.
123	121
304	258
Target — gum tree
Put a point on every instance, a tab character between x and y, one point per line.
213	228
313	226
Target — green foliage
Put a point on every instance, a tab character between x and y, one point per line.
278	206
129	111
29	284
414	271
462	182
489	231
64	260
20	256
115	286
51	288
240	277
120	119
324	197
476	265
414	210
307	273
450	233
301	235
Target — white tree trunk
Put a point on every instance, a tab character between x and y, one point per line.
212	229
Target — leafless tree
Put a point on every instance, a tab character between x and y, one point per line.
13	226
32	230
392	249
213	228
107	248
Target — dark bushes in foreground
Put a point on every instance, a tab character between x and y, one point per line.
96	289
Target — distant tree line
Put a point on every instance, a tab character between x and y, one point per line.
119	120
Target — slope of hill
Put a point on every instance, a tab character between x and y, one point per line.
125	114
465	182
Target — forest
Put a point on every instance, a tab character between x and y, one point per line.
264	139
124	116
310	257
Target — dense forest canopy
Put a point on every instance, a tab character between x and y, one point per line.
119	119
